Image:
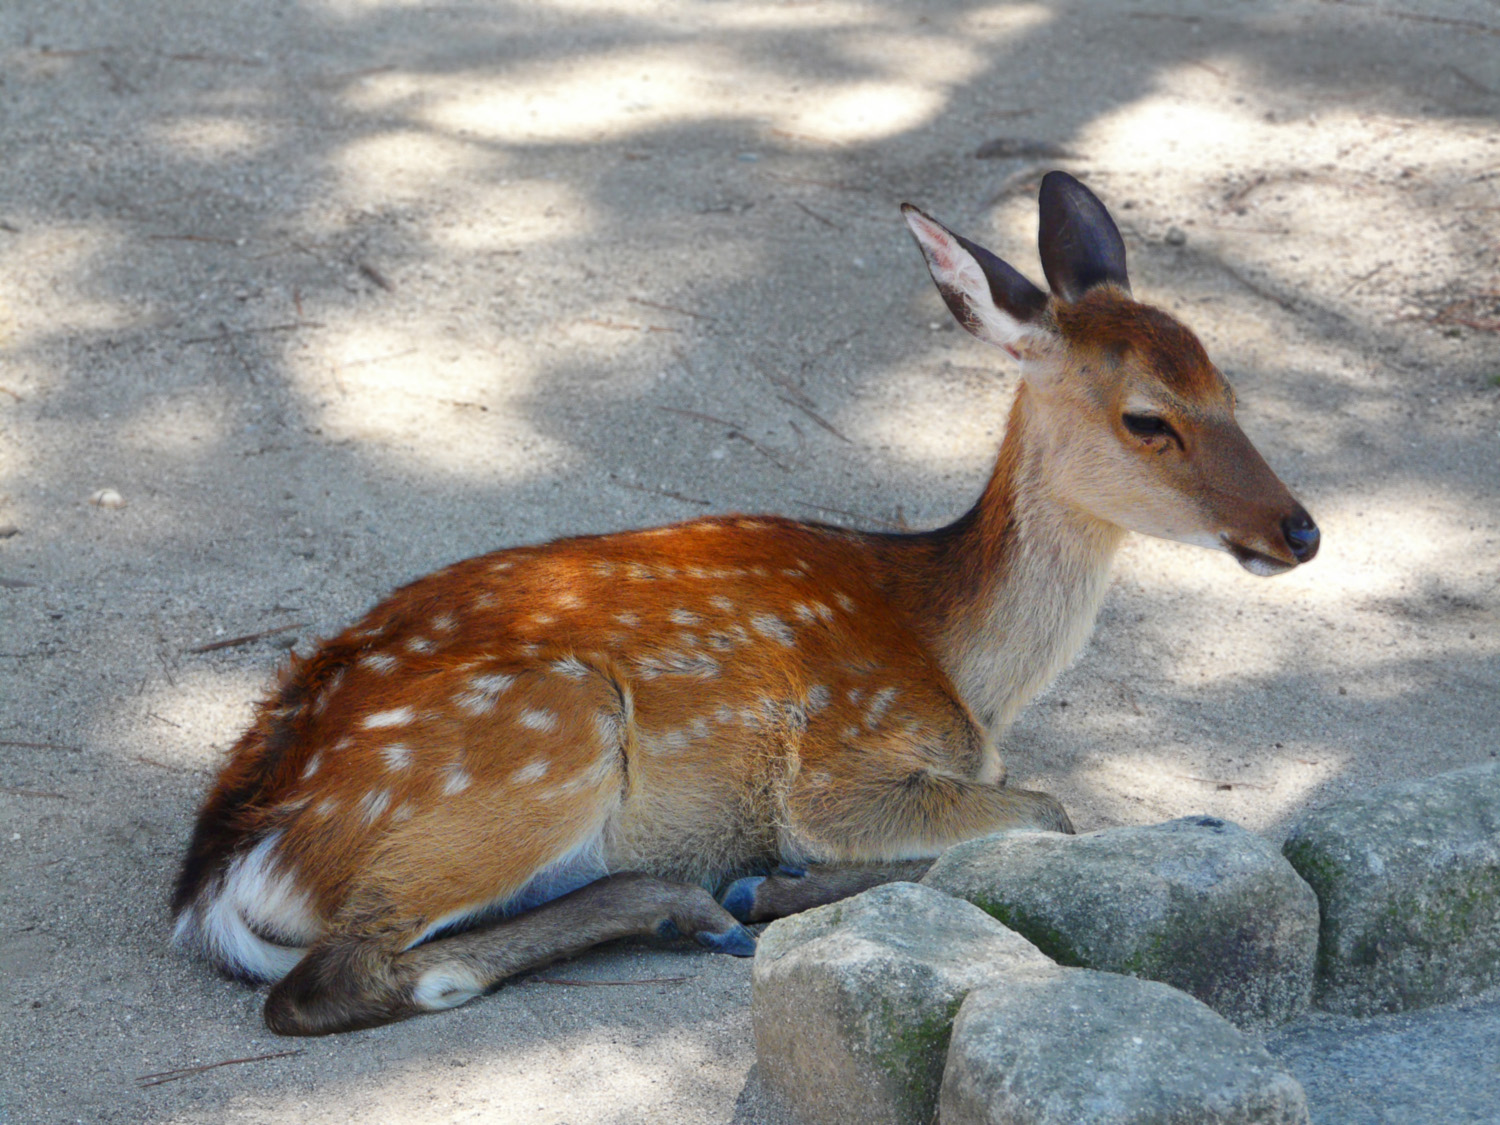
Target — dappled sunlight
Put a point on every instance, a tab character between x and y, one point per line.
641	91
608	1066
52	275
505	215
1387	547
186	428
1190	136
335	292
426	398
866	112
1179	785
400	165
216	137
182	725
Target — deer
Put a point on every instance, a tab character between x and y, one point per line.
534	751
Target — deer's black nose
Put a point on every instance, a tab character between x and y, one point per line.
1301	535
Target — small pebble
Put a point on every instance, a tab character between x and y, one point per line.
1176	236
107	498
8	530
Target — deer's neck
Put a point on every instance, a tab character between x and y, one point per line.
1008	594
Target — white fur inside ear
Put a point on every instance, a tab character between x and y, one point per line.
961	281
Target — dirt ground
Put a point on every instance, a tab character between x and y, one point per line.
332	292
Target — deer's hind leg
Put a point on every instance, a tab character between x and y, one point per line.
351	980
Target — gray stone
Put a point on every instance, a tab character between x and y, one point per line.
1422	1067
1076	1047
1200	904
852	1003
1408	878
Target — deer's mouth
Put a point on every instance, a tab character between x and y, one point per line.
1256	562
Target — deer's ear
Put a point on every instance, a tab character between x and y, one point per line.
1080	245
985	295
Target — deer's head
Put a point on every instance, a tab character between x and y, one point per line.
1138	423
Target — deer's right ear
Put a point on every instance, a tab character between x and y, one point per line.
985	295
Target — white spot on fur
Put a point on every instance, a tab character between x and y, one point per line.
699	727
567	601
697	664
543	618
667	742
727	640
404	812
397	756
721	603
880	702
455	780
395	717
381	662
683	617
484	691
792	572
534	770
608	728
443	623
638	572
326	807
420	645
342	744
312	765
630	620
817	698
723	714
854	694
371	805
604	569
446	986
501	567
537	718
846	603
571	667
773	628
750	525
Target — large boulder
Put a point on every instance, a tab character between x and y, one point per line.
1199	903
1408	877
852	1003
1075	1047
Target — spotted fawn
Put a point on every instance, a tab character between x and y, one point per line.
548	747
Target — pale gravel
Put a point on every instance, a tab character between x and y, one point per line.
332	292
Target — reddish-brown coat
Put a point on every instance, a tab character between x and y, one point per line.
730	655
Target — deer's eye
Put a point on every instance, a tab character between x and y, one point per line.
1147	426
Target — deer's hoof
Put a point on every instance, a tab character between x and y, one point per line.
738	942
739	899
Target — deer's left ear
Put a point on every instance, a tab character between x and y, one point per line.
985	295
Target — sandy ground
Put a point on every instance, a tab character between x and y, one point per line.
332	292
